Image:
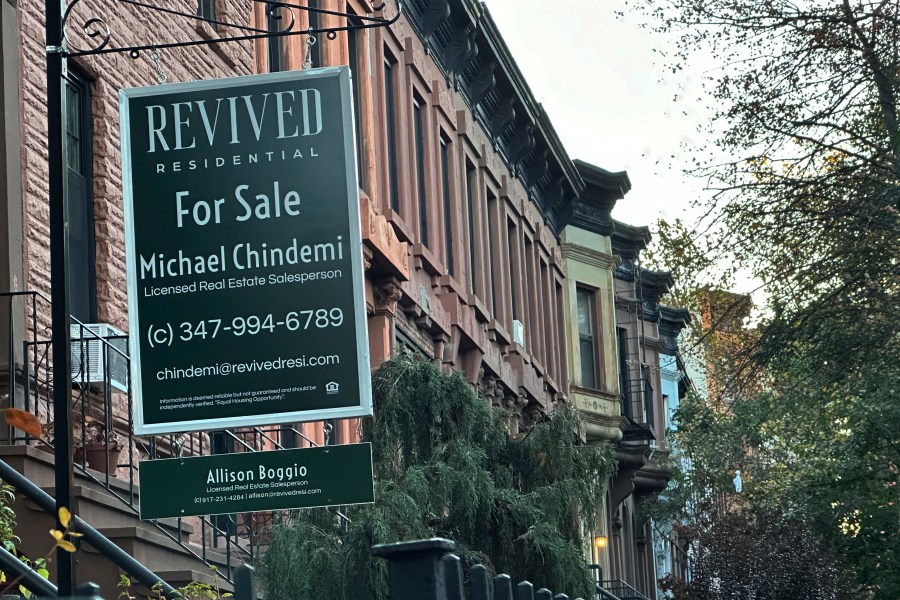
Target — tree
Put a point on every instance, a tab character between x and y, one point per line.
446	466
804	176
746	555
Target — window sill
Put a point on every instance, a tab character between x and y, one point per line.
501	336
481	312
450	282
400	227
427	261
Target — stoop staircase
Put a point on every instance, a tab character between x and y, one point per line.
107	496
164	547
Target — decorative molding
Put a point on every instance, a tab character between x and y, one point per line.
386	294
483	82
461	48
653	343
503	116
467	48
598	394
589	256
595	219
436	11
627	242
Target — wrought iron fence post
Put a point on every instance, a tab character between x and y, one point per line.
416	568
244	585
87	591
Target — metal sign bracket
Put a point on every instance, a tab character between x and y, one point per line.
97	31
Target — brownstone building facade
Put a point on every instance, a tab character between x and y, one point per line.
465	193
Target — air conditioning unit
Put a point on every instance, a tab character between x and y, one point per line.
96	358
519	333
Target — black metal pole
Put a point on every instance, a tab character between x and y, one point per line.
59	275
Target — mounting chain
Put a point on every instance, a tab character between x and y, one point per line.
97	29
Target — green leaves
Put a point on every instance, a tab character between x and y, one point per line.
447	466
804	181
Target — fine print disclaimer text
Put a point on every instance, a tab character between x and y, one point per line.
245	397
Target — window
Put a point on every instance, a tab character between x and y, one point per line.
514	271
79	181
390	119
546	337
419	133
273	43
669	411
470	207
586	341
206	9
530	307
287	437
622	338
648	394
490	240
560	332
448	204
353	39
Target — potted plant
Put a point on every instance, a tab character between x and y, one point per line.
102	447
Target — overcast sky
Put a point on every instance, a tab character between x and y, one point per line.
608	96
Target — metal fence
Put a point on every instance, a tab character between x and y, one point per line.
427	570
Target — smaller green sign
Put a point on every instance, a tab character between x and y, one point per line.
257	481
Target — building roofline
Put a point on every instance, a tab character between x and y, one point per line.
465	43
593	207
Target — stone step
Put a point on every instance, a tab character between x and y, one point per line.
156	546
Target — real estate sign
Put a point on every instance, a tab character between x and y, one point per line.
257	481
244	252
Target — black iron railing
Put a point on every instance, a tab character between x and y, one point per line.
622	590
427	570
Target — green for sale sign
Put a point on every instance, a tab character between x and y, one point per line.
244	252
257	481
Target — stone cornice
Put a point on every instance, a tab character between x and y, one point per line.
671	322
629	240
653	343
466	45
592	209
655	284
589	256
602	420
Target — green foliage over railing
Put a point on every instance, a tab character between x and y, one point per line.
446	466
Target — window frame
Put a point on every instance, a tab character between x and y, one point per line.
495	254
390	95
421	143
83	114
357	53
448	171
592	337
473	225
208	10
